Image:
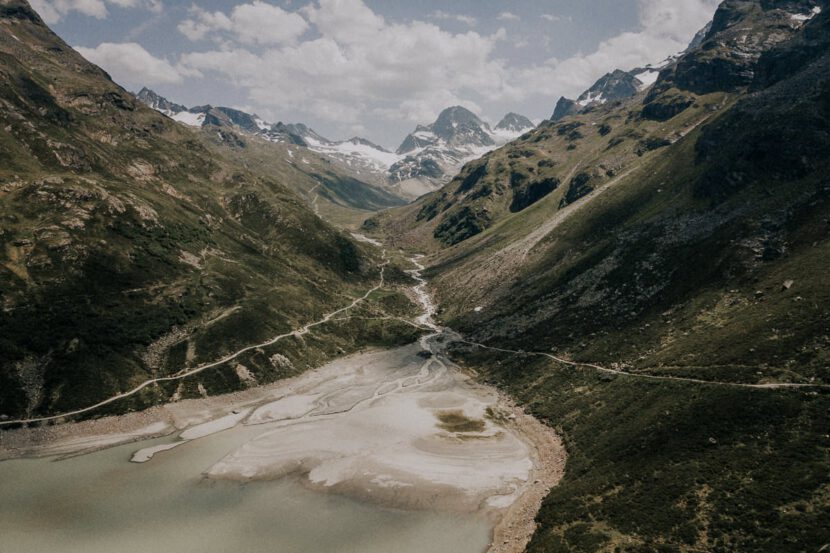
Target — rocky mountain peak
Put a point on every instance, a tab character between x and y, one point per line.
616	85
731	13
564	107
433	154
158	102
460	126
19	9
457	114
699	37
358	141
455	127
722	56
513	122
726	57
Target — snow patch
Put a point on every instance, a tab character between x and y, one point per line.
355	153
648	78
802	17
191	119
593	97
503	136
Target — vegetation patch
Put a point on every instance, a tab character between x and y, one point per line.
672	466
457	421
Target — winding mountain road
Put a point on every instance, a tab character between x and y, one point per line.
423	321
231	356
777	385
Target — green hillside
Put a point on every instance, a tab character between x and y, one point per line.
680	238
132	247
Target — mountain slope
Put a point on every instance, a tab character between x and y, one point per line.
351	173
703	177
331	191
681	246
133	247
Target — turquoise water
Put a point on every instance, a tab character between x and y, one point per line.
101	502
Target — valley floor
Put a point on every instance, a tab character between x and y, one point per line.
403	427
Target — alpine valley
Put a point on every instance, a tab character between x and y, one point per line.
606	332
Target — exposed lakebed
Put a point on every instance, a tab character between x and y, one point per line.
418	457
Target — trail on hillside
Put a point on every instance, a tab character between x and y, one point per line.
298	332
370	426
775	385
314	205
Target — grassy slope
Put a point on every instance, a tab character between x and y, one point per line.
677	268
675	467
131	247
337	194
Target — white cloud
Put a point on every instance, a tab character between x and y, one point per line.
130	63
52	11
468	20
362	65
508	16
346	21
551	17
666	27
203	23
340	64
359	67
154	6
254	23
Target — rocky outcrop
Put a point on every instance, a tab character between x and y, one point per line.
159	103
564	107
727	56
617	85
578	188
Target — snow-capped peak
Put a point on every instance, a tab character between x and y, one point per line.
357	153
435	152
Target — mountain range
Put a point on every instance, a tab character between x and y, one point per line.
619	85
426	158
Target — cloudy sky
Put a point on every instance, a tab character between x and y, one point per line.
373	68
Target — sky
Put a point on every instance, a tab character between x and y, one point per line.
372	68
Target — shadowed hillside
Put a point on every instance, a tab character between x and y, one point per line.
678	238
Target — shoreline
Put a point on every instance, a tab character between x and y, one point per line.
511	526
80	436
487	480
517	524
